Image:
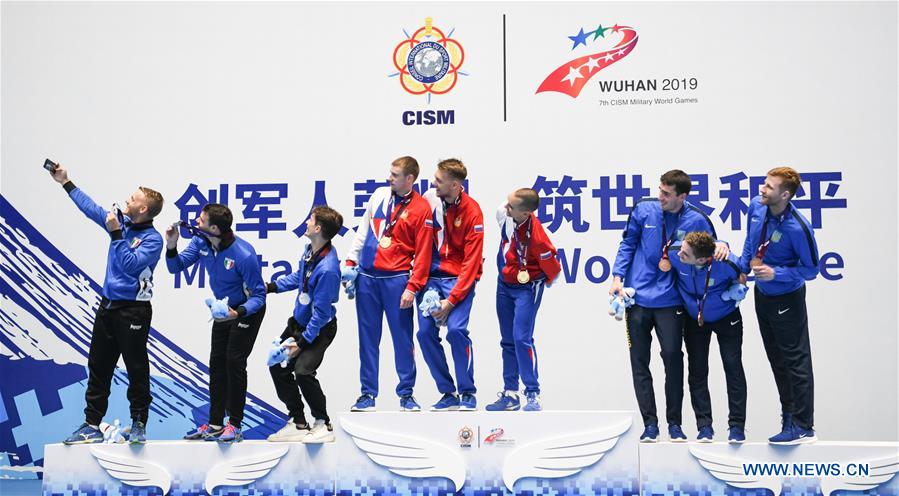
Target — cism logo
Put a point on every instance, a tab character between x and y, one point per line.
428	117
428	62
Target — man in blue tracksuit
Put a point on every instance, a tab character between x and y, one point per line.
643	263
122	324
312	326
235	273
702	282
781	251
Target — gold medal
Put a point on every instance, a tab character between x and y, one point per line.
523	277
457	222
755	262
404	215
664	265
385	242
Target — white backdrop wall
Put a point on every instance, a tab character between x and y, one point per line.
168	95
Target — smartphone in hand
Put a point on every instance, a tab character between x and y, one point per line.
49	165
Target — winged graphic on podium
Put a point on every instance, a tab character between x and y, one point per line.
730	470
409	456
133	471
138	472
554	457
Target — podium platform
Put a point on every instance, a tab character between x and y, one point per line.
822	468
375	453
475	453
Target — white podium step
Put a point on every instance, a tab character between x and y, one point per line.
550	452
390	452
822	468
183	467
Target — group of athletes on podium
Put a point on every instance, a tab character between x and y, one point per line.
410	245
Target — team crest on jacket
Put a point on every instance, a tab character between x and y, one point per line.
135	242
775	237
229	263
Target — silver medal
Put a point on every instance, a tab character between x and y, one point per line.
304	299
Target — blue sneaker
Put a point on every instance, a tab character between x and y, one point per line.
230	434
650	434
138	434
508	402
365	403
676	434
468	403
736	435
85	435
203	432
786	428
448	402
706	434
408	404
532	402
794	435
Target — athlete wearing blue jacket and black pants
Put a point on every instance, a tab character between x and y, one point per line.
780	250
234	272
313	327
702	282
643	264
122	324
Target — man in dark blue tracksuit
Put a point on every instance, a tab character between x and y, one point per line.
313	327
235	273
781	251
643	263
702	282
122	324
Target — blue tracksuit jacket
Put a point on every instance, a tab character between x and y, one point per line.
641	249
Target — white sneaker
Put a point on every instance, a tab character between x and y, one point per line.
289	433
321	432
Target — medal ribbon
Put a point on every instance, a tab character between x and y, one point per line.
196	231
392	220
700	302
521	248
315	258
764	239
446	207
667	244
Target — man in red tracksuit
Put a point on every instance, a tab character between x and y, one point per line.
456	265
527	263
395	231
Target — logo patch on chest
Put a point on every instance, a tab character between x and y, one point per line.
229	263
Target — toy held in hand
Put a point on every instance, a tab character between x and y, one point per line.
430	302
219	308
348	275
621	301
736	293
279	353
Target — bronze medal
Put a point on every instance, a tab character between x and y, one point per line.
700	320
664	265
755	262
385	242
523	277
457	222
